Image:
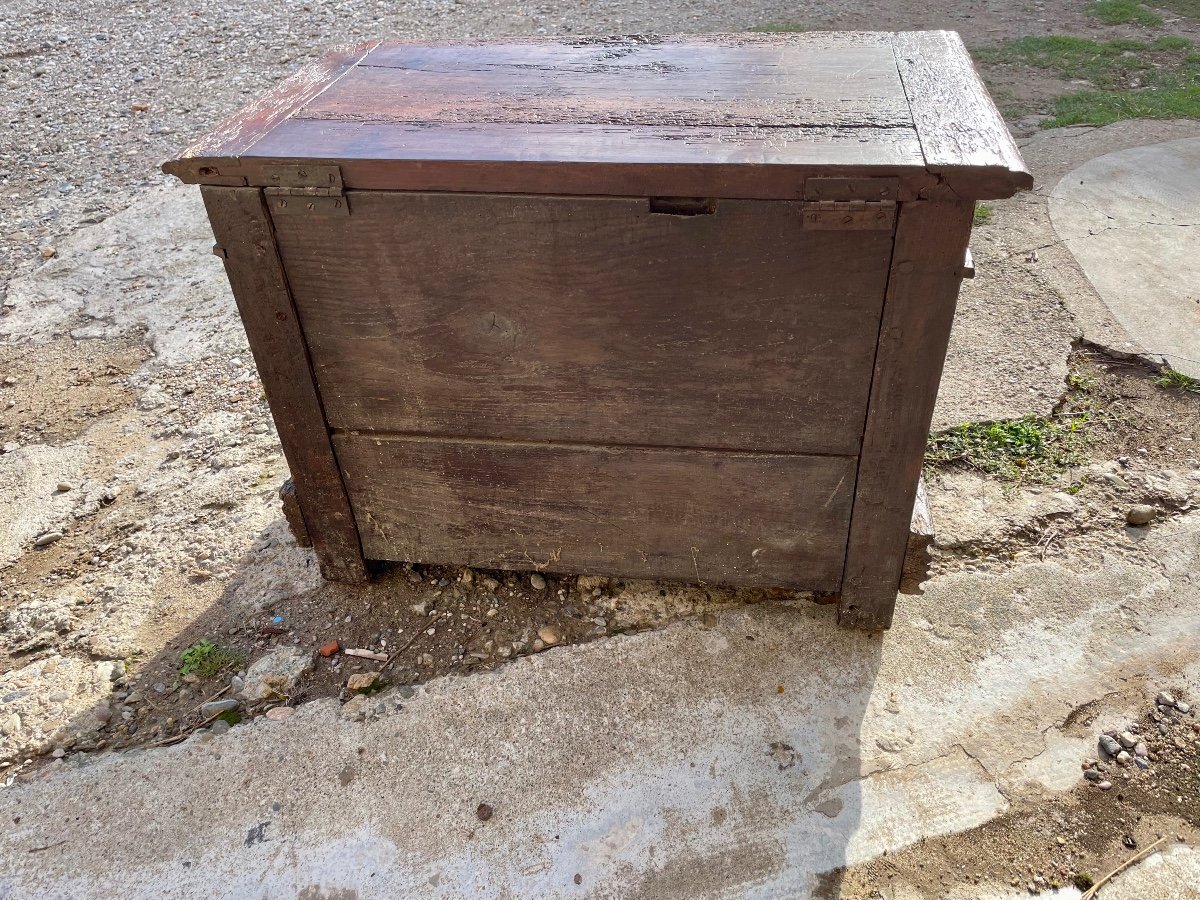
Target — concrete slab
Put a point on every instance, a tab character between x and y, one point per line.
751	759
1132	220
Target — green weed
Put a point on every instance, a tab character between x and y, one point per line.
1177	381
983	214
1032	448
1130	79
1124	12
206	659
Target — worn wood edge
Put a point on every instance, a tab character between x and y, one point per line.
242	226
292	513
220	147
724	181
914	331
917	53
918	555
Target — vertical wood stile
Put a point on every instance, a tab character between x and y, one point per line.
242	226
918	311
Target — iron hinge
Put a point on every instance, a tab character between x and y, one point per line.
849	215
305	190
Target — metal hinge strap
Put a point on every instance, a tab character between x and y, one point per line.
305	189
849	215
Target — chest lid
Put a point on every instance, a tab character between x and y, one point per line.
750	116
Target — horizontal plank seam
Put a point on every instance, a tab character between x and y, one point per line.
427	438
379	119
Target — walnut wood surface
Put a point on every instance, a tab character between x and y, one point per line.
963	136
931	238
632	512
905	105
589	319
238	133
243	230
793	85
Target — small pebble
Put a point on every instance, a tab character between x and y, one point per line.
48	538
362	681
64	486
1141	514
1127	740
48	252
216	707
1123	758
236	684
537	582
1093	775
1183	707
1142	763
220	726
160	687
1164	699
1109	745
279	713
549	635
483	811
1140	749
1105	785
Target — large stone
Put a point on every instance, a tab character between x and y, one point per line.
277	674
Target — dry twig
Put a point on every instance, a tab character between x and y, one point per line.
1136	858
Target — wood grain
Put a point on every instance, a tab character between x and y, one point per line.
589	320
643	84
721	518
963	136
616	160
577	115
218	149
917	313
242	228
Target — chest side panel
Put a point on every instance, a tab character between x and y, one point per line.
589	320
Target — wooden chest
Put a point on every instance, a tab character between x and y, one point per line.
656	308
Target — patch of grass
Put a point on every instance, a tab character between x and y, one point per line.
1124	12
1189	8
1129	79
232	716
1032	448
780	28
206	659
983	214
1177	381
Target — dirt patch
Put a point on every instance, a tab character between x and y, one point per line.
426	622
1066	839
54	392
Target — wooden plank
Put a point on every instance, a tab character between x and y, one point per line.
647	84
764	163
586	319
915	329
234	136
729	518
242	228
963	136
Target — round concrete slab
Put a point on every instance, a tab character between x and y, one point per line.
1132	220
